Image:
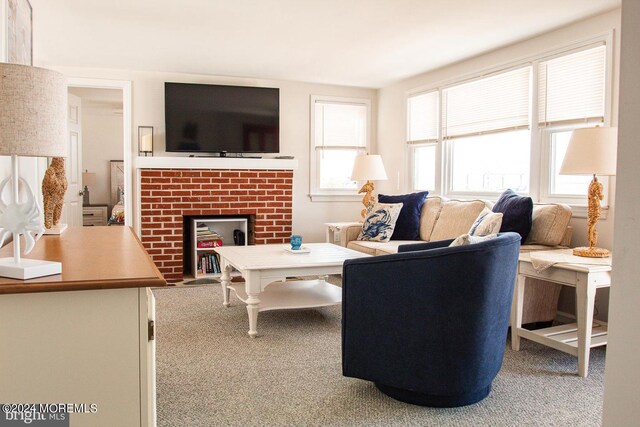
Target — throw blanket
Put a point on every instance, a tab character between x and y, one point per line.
544	259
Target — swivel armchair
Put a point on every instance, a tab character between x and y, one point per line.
428	325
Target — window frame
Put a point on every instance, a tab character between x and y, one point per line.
540	162
412	145
317	194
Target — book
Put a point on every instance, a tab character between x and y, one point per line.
213	243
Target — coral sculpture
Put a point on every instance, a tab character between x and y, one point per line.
54	185
595	195
369	199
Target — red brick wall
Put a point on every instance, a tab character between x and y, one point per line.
169	194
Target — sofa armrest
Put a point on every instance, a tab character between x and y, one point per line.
349	233
424	246
566	238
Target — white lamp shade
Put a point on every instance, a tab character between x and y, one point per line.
591	151
33	105
88	178
368	167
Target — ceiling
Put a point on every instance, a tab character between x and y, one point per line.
369	43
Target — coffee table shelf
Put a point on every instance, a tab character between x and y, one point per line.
293	294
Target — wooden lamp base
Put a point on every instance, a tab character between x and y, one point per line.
591	252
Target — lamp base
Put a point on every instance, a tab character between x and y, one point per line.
591	252
28	268
56	229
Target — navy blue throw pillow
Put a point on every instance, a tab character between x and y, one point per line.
517	213
408	223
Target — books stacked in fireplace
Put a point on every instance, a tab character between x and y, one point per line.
209	263
207	238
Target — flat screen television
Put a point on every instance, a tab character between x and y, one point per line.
221	119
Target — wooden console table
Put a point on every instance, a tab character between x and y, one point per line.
86	335
575	338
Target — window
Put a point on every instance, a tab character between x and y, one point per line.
490	163
571	95
340	131
422	131
486	132
565	185
477	138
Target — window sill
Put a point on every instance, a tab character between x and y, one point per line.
581	211
319	197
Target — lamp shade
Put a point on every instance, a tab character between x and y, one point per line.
33	105
591	151
88	178
368	167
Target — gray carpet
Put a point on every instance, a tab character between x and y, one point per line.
210	373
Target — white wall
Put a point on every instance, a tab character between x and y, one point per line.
148	110
101	142
622	374
392	121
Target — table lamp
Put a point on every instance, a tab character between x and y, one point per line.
88	178
32	123
592	151
368	167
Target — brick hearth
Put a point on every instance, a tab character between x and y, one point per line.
166	195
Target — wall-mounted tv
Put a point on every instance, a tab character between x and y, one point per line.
221	119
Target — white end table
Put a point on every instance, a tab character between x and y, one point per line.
575	338
333	229
265	268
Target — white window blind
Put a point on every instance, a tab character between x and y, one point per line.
491	104
422	114
340	124
571	88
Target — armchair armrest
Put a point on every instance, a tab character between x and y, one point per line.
424	246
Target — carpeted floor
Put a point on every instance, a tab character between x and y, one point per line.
210	373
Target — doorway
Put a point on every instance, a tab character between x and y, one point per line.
99	162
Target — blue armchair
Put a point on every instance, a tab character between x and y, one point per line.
428	325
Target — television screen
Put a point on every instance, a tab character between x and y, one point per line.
217	119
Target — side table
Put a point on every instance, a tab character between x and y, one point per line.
333	229
575	338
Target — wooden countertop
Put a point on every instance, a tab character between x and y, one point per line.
92	258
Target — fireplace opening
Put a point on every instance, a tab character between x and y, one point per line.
203	233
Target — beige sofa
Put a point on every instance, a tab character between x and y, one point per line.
442	219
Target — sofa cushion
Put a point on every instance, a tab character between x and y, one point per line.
488	222
378	248
549	224
455	218
380	221
517	213
429	215
408	223
467	239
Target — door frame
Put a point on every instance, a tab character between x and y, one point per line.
125	86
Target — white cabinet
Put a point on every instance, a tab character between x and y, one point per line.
89	346
94	215
204	259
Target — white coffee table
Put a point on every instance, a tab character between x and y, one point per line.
265	268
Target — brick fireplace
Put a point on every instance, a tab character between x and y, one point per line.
167	195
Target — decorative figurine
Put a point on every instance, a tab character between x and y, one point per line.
595	196
369	199
54	185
